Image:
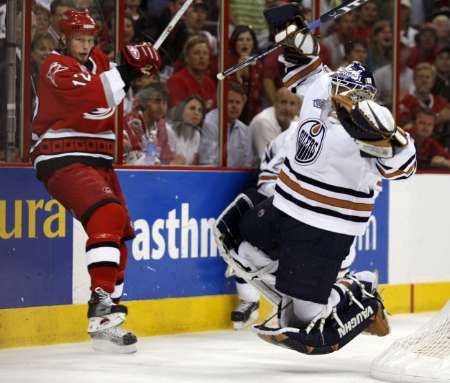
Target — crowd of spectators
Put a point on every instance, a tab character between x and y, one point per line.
173	118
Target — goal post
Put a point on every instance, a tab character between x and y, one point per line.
421	357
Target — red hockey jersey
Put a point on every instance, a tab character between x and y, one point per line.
75	116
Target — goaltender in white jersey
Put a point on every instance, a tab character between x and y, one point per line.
324	181
335	157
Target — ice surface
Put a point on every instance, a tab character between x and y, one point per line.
220	356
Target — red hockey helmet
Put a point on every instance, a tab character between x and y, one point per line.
77	21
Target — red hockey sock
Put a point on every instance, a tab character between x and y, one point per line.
105	229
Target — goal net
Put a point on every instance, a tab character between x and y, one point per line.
423	356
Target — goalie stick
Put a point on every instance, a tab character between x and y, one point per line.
333	14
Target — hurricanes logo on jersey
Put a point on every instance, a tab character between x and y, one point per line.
99	114
310	139
53	70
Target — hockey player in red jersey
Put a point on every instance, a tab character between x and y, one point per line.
73	152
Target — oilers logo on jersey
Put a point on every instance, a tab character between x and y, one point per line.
311	135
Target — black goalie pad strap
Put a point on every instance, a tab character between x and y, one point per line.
230	239
332	338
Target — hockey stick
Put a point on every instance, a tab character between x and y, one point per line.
333	14
172	24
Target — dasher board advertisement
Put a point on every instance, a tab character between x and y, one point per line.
173	254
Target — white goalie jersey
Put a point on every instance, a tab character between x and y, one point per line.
324	181
271	165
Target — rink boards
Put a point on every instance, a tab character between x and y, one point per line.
175	276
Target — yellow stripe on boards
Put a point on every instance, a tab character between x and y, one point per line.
33	326
397	298
169	316
431	296
63	324
42	325
411	298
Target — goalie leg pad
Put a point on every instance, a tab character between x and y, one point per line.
255	268
257	261
226	229
251	263
360	309
332	338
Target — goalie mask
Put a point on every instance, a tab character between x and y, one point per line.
355	81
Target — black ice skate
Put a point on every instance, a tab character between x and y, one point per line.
105	319
245	314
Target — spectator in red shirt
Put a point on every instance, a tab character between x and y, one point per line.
356	50
193	78
272	75
424	78
381	45
430	153
427	44
334	43
196	19
368	14
442	24
442	65
243	44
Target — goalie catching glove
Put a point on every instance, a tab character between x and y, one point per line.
370	125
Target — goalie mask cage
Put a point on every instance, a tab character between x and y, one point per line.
423	356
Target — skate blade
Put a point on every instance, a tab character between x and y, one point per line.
108	347
252	319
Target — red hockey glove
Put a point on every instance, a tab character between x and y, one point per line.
142	55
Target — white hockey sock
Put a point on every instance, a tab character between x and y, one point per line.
118	291
247	292
302	312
